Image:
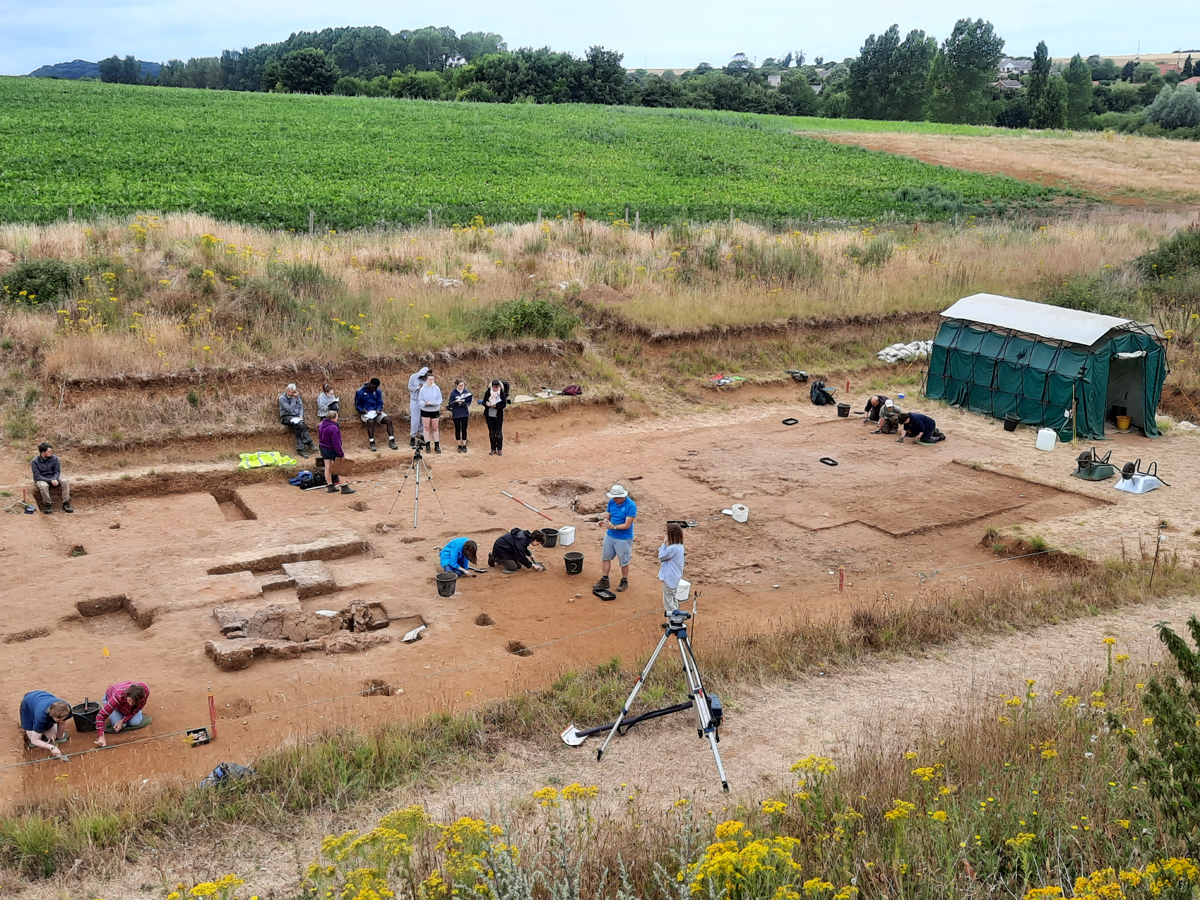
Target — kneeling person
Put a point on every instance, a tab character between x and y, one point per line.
458	556
123	705
42	719
512	550
919	426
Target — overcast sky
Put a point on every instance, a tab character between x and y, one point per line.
656	35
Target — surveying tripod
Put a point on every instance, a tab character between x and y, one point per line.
707	707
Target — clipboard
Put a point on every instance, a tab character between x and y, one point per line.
342	466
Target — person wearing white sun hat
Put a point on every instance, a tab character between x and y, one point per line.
618	539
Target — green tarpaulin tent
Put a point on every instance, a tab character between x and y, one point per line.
1052	367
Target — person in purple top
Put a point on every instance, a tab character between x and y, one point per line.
329	438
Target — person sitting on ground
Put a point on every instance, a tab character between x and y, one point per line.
42	719
368	400
47	473
458	556
291	414
329	436
123	705
512	550
917	424
875	408
670	569
416	381
430	399
326	400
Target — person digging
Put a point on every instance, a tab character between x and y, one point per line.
123	708
618	539
921	427
329	437
512	551
43	718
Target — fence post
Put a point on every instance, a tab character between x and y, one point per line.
637	220
430	212
539	221
70	214
626	214
731	217
312	218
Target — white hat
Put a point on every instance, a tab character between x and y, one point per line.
617	493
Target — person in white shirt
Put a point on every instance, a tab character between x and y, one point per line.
430	398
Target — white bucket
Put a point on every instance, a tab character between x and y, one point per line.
566	536
740	512
1047	438
683	591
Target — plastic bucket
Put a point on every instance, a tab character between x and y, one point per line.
683	591
1011	421
1047	439
446	583
740	512
1123	422
843	410
574	562
551	537
84	716
566	536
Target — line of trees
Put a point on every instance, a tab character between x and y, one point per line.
914	78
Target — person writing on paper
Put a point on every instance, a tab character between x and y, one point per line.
670	567
458	556
416	381
493	402
123	705
368	401
326	400
329	436
460	412
511	551
430	398
291	414
42	719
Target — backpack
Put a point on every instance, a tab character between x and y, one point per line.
225	774
819	394
572	390
300	478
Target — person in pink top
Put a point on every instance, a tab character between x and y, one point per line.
123	705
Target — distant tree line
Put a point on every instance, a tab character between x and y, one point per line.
913	79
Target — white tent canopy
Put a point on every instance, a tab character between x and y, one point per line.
1055	323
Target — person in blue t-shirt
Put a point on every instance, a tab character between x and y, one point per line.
43	719
618	539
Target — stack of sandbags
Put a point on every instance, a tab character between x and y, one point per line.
906	352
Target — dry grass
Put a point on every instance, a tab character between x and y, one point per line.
163	297
1119	167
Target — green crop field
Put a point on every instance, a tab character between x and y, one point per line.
268	159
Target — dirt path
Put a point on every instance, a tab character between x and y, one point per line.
768	727
1115	167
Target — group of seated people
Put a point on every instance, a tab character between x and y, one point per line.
882	410
44	715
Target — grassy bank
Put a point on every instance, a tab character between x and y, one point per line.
345	768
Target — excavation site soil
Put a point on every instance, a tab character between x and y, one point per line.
293	606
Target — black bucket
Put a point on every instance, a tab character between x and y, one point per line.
84	715
551	537
1011	421
843	410
446	583
574	561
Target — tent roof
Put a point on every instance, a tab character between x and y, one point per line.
1054	322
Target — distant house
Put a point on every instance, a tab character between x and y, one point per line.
1195	79
822	74
1007	84
1164	68
1009	66
774	80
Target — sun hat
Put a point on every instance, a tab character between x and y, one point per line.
616	492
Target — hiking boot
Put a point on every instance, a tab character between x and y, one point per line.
302	453
602	584
624	585
372	446
491	561
67	507
332	489
392	443
412	442
48	509
437	446
346	489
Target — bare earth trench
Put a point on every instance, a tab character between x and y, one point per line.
899	518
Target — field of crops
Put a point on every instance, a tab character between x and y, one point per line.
268	159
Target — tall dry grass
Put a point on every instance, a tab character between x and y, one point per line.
183	291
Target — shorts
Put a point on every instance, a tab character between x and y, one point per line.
328	453
431	413
622	550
